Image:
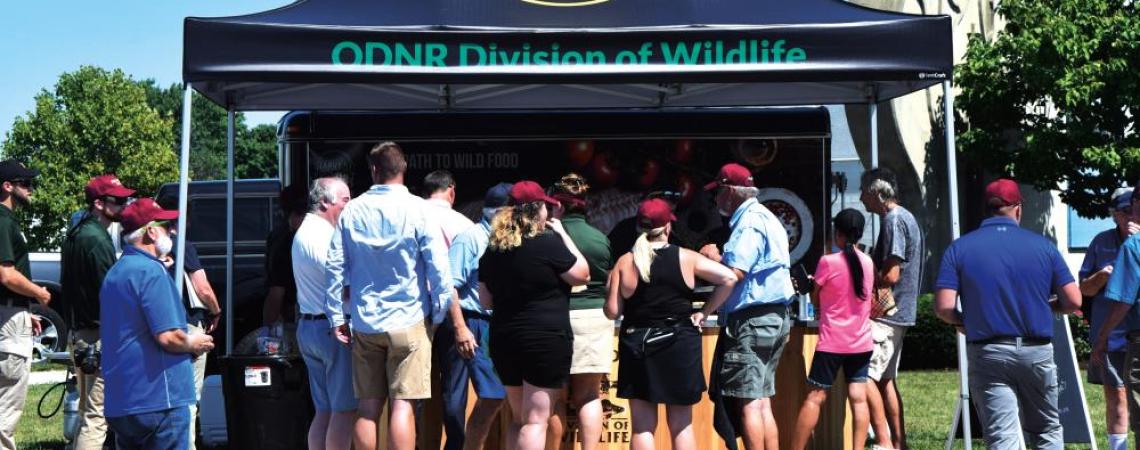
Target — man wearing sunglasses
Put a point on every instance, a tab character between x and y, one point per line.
17	293
88	253
147	345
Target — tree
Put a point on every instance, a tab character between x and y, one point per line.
255	151
1055	101
95	121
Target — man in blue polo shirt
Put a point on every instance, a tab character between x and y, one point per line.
1123	289
755	314
1006	277
148	379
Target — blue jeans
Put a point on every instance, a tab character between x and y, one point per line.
1008	380
329	363
455	371
168	429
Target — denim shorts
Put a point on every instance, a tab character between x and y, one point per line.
329	363
1110	374
757	337
825	367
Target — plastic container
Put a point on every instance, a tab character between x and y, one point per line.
212	413
267	401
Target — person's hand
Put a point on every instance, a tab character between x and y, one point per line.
167	261
1133	227
697	318
1106	271
43	296
343	334
214	319
465	342
201	343
37	327
1100	347
711	251
556	225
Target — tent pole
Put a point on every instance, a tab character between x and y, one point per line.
873	106
183	187
229	229
952	175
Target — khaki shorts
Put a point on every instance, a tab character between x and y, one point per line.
593	341
395	365
887	352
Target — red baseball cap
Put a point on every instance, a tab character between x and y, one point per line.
107	186
527	191
654	213
143	211
732	174
1003	192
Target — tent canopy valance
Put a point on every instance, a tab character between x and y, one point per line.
507	54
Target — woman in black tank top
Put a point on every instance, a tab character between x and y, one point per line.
659	349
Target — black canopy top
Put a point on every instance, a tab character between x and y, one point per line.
498	54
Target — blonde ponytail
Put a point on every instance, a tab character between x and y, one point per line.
643	254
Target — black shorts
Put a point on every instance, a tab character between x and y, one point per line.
825	366
540	358
661	365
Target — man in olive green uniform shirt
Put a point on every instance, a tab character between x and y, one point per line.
88	253
17	293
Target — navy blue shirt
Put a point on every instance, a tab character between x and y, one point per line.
139	302
1102	252
1004	276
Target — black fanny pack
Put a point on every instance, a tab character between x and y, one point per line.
640	342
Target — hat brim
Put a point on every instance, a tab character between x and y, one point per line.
166	214
119	191
712	185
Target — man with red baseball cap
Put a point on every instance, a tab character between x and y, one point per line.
88	253
148	376
17	293
757	251
1004	276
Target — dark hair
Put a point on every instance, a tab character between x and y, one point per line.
387	158
437	181
294	199
849	223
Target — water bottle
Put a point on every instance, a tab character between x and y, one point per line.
810	311
71	410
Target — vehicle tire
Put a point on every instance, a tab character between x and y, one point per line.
53	338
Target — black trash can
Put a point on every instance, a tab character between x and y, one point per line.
268	406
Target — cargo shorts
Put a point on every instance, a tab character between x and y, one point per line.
756	339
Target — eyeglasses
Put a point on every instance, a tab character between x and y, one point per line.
26	183
164	224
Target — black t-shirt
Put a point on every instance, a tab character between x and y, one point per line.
279	268
13	250
526	285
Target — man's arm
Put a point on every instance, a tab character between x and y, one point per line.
205	292
464	339
1092	284
720	294
1068	299
946	306
434	255
271	312
890	274
21	285
177	341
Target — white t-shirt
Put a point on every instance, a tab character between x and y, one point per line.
450	221
310	254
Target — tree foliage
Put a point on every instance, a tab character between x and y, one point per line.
255	150
1055	100
94	121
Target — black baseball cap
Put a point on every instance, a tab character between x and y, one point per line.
11	169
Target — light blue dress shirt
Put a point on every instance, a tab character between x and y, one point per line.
465	252
1124	283
392	261
758	246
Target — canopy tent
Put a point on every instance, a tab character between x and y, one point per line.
471	55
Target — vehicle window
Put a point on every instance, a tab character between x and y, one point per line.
208	219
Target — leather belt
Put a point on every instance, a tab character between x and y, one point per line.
1014	340
315	317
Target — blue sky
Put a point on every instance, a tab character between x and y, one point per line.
41	39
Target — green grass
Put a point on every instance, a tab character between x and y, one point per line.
929	397
35	433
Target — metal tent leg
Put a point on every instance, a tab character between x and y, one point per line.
229	229
955	231
183	187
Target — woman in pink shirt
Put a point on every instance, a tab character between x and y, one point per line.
843	283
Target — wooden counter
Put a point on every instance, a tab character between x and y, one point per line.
833	432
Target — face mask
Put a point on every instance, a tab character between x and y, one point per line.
164	245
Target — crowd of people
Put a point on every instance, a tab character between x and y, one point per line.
521	307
